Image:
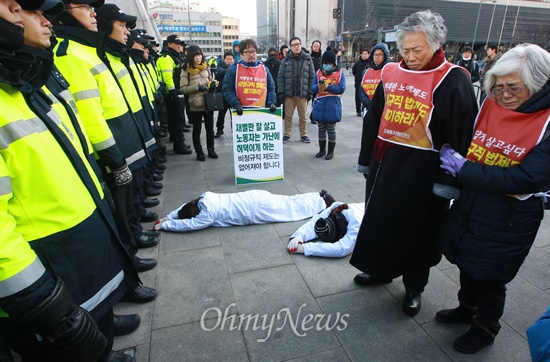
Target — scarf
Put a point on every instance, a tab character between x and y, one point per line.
197	68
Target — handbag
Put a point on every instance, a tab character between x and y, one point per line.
213	102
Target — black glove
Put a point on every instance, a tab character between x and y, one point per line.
202	88
122	175
69	331
173	94
366	175
212	86
280	98
273	108
309	97
239	110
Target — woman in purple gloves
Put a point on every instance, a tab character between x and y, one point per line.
506	177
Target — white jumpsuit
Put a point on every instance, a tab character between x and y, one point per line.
245	208
354	216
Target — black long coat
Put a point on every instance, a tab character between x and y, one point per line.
402	213
486	233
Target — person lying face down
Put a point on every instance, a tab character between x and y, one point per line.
336	228
243	208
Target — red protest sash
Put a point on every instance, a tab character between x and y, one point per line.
503	137
251	85
370	81
331	79
409	104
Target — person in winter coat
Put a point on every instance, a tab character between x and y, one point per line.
236	91
357	70
228	60
316	55
283	50
294	82
273	63
195	81
398	155
329	84
236	51
505	177
336	228
492	56
468	62
371	76
243	208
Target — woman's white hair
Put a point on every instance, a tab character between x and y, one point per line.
528	61
431	24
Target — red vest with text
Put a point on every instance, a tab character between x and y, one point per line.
251	85
370	81
331	79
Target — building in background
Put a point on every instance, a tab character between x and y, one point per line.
231	32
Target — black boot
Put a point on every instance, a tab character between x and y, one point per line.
212	153
461	314
322	149
477	338
330	152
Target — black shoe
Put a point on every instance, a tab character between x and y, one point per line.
365	279
412	303
185	129
162	159
118	356
212	154
188	125
157	185
151	191
218	134
150	202
125	324
457	315
182	151
149	216
201	156
327	197
359	114
157	177
161	167
474	340
159	171
155	233
145	241
140	295
313	122
144	264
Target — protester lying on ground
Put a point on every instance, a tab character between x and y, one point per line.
243	208
336	228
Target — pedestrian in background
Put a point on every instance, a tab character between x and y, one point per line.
357	70
316	55
294	82
371	76
492	56
329	84
228	60
195	81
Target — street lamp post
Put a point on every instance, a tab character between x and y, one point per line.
491	24
503	21
477	22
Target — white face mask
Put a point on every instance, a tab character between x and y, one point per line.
466	59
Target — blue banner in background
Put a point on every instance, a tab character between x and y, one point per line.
181	29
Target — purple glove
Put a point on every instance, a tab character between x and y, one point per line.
451	160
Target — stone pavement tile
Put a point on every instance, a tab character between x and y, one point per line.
508	347
190	282
535	268
252	247
190	342
543	235
325	276
285	229
173	242
378	331
525	303
280	292
332	355
141	335
142	353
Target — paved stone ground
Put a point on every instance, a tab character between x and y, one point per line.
247	271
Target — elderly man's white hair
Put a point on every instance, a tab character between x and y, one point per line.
528	61
425	22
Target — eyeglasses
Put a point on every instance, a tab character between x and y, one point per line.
499	92
295	44
251	52
86	7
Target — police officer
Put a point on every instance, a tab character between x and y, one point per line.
106	118
54	219
169	67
